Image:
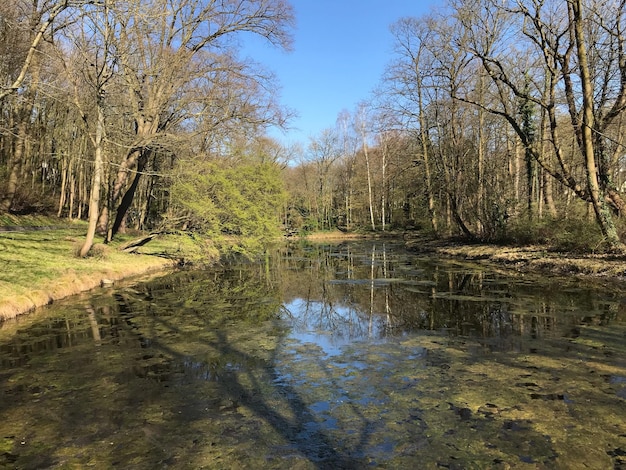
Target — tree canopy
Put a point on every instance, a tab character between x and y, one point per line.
494	120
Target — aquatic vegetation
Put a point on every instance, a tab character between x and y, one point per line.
313	362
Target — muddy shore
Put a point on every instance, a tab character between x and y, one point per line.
532	258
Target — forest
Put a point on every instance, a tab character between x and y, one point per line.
495	120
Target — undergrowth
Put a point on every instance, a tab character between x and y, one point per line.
560	234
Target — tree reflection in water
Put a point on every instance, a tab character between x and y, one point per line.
320	356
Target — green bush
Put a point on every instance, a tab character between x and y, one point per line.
239	203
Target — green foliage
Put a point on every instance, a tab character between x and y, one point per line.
241	201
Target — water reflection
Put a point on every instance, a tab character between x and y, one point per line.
345	294
320	356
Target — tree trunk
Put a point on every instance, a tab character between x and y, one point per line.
602	213
456	214
127	200
429	185
531	170
383	201
548	198
369	182
120	180
63	191
94	197
70	211
82	196
16	161
481	196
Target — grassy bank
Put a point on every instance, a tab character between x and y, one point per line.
38	264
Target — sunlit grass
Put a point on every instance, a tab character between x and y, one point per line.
193	249
38	266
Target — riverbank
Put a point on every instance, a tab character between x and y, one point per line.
538	259
529	258
339	235
39	266
38	262
532	258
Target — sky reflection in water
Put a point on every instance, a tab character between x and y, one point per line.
327	356
376	291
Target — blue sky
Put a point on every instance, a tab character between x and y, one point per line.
339	54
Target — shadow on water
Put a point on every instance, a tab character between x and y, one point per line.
128	380
242	382
352	356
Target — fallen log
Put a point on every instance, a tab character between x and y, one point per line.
131	246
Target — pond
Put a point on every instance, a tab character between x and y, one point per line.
348	355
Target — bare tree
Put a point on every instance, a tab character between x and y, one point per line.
324	152
406	80
348	142
558	56
40	18
94	64
165	58
363	126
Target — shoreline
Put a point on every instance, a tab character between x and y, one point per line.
39	264
71	284
536	259
539	259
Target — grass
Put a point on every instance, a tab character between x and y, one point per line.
40	266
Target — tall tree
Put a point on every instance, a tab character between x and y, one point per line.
324	152
166	59
573	53
363	125
94	67
407	78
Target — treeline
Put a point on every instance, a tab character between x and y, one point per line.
495	120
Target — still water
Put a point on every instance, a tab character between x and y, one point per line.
353	355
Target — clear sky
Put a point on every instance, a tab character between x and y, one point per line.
339	54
